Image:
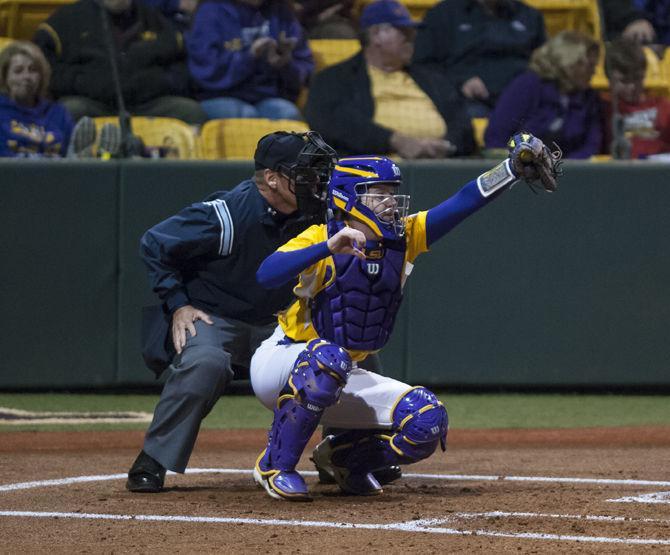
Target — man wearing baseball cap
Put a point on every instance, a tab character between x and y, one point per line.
380	102
202	263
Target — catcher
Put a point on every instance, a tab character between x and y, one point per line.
351	276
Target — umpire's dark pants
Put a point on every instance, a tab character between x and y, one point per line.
196	380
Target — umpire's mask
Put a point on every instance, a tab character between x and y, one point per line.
309	176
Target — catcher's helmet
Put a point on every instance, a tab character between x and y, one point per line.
348	191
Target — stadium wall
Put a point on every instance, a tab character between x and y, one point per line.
570	289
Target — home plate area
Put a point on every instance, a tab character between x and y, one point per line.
511	499
585	527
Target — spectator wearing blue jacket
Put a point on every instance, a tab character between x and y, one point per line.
248	58
30	125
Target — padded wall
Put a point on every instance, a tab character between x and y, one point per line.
547	290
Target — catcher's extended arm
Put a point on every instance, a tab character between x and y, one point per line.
533	161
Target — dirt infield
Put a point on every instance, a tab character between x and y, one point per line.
590	490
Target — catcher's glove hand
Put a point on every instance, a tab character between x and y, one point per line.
532	160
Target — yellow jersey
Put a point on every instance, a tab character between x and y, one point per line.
296	320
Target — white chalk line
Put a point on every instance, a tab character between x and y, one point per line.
423	526
18	417
449	477
595	518
659	497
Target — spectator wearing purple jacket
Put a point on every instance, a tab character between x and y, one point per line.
553	100
248	58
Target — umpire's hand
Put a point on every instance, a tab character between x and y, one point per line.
182	320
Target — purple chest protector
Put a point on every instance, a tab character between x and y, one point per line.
358	309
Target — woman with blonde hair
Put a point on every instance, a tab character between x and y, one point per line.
553	100
30	124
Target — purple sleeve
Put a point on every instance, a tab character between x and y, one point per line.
593	131
217	60
511	110
296	73
281	267
66	126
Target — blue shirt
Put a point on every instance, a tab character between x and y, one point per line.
207	255
219	50
41	131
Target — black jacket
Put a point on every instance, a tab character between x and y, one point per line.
150	53
340	107
207	255
617	14
467	41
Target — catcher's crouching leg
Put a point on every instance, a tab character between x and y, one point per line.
420	424
316	381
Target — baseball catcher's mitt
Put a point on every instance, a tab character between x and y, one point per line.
532	160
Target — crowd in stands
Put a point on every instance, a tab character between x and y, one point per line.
411	91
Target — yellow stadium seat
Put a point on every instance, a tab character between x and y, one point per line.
5	41
235	139
479	126
600	158
164	137
19	18
656	78
599	80
328	52
416	8
570	15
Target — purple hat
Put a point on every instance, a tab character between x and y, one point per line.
386	11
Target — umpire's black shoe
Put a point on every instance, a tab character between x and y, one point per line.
146	475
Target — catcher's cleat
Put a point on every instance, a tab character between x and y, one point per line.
349	482
280	484
387	474
384	475
146	475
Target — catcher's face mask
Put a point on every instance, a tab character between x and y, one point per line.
366	187
309	175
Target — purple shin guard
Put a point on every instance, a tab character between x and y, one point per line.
319	374
292	428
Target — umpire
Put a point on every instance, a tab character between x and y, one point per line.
202	263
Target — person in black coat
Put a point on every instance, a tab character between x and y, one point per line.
480	45
378	102
151	61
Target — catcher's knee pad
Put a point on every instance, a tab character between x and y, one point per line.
316	381
319	374
420	422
